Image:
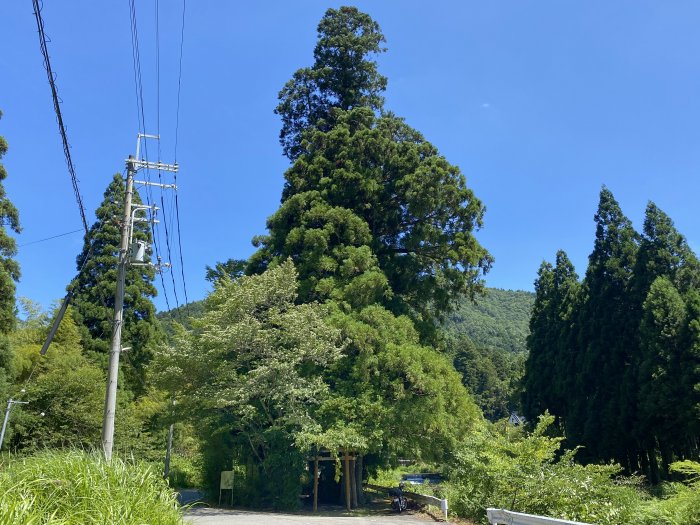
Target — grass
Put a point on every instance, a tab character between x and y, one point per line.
76	487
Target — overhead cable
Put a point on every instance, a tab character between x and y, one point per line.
57	109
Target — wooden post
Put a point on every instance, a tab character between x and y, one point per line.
346	461
316	483
353	482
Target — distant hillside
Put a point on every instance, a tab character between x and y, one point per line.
498	320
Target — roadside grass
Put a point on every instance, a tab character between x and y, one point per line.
77	487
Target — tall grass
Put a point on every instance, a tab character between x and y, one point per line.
75	487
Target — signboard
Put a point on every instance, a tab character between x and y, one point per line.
226	483
226	480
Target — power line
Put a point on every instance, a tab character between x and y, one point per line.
179	77
49	238
177	125
57	110
138	83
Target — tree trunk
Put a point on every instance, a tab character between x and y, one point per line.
358	480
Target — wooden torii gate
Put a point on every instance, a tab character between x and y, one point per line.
348	459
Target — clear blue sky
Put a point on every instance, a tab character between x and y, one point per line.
539	103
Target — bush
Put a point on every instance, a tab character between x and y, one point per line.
680	502
77	487
527	473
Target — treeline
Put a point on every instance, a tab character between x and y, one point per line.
616	356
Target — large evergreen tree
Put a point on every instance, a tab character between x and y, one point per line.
551	344
9	268
95	285
606	337
344	76
371	212
9	274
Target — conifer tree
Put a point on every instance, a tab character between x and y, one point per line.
663	400
549	367
371	212
9	268
93	303
606	337
344	76
9	274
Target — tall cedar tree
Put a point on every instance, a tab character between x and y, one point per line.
371	212
606	338
550	343
666	276
619	360
9	268
94	288
343	76
9	274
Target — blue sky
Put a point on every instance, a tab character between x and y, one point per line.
539	103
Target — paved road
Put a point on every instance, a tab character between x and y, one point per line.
210	516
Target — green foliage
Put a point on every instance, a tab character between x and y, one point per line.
529	473
79	487
617	357
93	290
232	268
680	502
343	76
400	396
9	268
252	373
371	212
496	321
491	375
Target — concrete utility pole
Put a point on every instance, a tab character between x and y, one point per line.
132	165
7	417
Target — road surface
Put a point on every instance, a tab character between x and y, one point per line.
211	516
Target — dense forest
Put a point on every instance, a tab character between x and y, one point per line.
362	322
616	357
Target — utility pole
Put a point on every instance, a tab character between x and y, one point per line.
7	416
132	166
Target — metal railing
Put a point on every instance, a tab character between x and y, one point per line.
507	517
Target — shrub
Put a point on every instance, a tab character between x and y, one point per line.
527	473
81	488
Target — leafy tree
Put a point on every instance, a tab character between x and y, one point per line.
343	76
251	373
66	392
232	268
400	397
95	285
9	268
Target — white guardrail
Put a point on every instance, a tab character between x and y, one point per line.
419	498
507	517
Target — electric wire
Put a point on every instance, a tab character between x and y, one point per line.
177	125
57	109
49	238
138	84
160	179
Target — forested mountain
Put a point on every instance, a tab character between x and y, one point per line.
498	320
